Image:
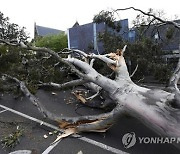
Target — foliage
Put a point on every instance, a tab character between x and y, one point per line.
11	31
10	57
111	41
12	139
162	72
108	18
48	69
30	67
54	42
148	56
110	37
170	33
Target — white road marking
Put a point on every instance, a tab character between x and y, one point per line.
31	118
93	142
51	147
21	152
3	111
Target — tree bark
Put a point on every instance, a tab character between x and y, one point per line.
172	86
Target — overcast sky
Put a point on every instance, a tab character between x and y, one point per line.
62	14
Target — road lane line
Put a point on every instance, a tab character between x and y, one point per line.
3	111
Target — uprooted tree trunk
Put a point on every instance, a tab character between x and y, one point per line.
154	108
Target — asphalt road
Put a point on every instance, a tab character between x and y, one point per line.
61	103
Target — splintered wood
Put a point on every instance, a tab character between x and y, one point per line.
66	133
79	96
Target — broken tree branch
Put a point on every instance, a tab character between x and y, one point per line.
134	71
31	97
45	50
63	85
93	96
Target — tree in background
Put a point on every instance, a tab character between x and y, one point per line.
110	37
144	50
11	31
54	42
153	32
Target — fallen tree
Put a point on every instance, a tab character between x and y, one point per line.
158	109
155	108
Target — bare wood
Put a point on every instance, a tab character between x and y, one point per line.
134	71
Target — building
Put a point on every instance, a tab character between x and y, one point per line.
85	37
44	31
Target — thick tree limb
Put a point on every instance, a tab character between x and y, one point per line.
63	85
32	98
92	74
104	121
93	96
93	87
98	123
104	58
159	116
